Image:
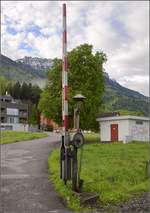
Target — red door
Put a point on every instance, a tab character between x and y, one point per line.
114	132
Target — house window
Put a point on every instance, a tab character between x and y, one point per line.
139	122
12	111
12	120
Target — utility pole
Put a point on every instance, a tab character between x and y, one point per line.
64	74
65	149
68	151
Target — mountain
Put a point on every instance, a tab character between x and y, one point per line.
116	97
12	70
119	98
39	64
113	84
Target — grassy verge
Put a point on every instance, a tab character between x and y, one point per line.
64	190
14	136
92	137
115	171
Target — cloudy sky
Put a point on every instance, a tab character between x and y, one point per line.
119	28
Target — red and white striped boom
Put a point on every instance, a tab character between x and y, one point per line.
64	74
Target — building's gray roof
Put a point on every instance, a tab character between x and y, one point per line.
109	114
124	117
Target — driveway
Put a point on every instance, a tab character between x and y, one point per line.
24	177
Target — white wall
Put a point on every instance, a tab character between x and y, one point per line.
123	129
128	130
139	132
105	129
17	127
21	127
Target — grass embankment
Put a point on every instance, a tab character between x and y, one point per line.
92	137
115	171
14	136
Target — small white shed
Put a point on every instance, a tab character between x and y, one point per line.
124	128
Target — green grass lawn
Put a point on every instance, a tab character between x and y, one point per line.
115	171
92	137
14	136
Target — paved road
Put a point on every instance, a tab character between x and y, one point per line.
24	178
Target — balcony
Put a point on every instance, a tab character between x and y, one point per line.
23	114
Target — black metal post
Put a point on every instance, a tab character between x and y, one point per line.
68	163
62	160
74	170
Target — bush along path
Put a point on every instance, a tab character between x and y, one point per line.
24	177
117	172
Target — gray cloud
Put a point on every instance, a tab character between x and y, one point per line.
119	28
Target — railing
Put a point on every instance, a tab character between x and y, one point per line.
23	114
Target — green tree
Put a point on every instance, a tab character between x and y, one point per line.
25	91
34	116
16	90
30	91
10	86
35	94
85	75
3	85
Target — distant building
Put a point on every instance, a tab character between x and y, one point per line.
47	123
13	114
124	128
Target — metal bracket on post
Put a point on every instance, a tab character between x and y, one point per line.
68	164
65	160
74	170
77	142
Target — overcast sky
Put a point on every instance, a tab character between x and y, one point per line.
119	28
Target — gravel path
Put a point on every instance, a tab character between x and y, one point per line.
24	178
141	204
135	205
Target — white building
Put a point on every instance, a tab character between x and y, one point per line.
124	128
13	114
